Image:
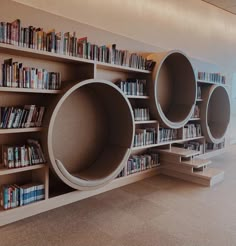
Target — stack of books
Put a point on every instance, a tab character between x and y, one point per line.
213	146
192	130
212	77
144	137
13	196
22	155
14	74
133	87
141	114
137	163
21	117
166	134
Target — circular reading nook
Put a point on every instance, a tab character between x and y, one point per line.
173	91
215	113
90	134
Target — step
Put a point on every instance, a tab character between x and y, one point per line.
209	173
179	152
178	167
208	177
197	162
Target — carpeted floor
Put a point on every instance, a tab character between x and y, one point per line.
158	211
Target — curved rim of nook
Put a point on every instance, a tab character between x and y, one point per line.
61	171
211	137
169	123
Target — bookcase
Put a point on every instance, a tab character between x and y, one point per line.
89	128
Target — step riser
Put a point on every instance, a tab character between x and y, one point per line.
204	164
178	168
194	179
177	160
171	158
179	152
186	177
182	168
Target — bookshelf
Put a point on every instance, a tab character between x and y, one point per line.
85	157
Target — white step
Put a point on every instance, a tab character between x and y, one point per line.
208	177
196	163
209	173
179	152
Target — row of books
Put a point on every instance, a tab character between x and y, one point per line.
13	196
211	77
199	92
192	145
196	112
144	137
133	87
22	155
192	130
13	74
141	114
67	43
167	134
137	163
21	117
213	146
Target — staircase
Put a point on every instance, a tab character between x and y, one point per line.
185	164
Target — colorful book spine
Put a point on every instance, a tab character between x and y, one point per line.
27	116
20	156
14	74
13	196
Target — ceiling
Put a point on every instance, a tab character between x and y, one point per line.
228	5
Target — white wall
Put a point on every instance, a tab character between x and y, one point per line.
198	28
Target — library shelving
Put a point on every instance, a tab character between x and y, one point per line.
88	129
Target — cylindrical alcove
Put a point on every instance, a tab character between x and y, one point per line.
215	113
173	89
90	134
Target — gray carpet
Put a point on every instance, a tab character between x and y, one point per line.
157	211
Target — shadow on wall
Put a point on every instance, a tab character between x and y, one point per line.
233	110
